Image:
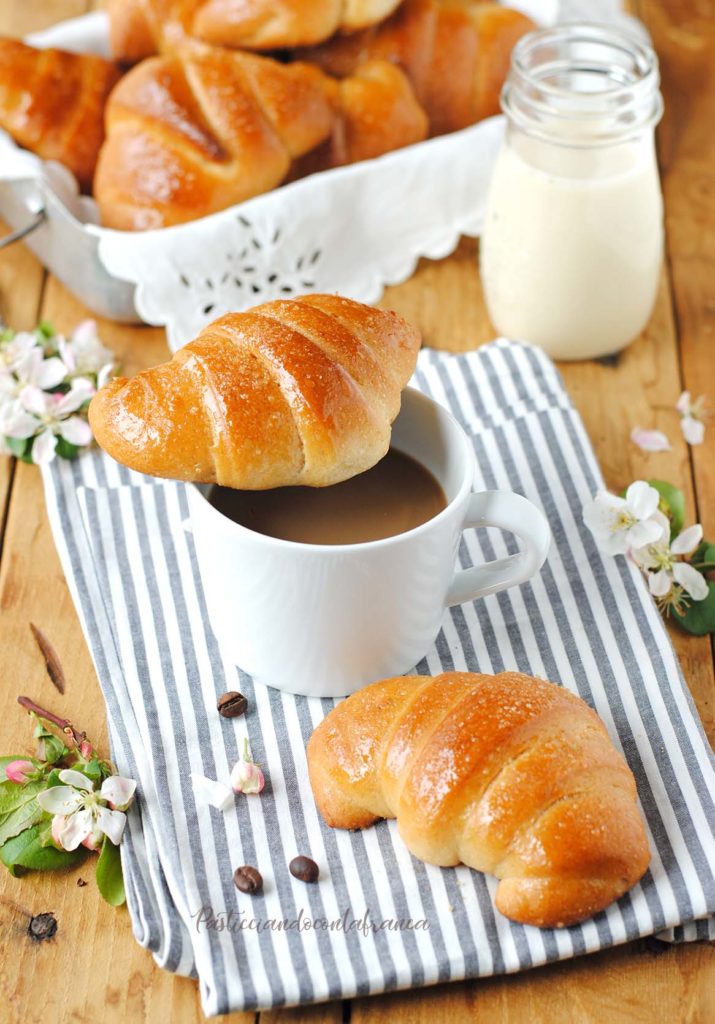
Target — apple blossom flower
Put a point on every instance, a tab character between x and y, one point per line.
650	440
247	777
85	354
671	579
81	815
692	414
209	791
45	416
13	350
618	524
19	771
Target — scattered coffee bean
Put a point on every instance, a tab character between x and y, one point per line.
232	704
304	869
248	879
42	927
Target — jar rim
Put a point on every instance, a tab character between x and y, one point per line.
626	101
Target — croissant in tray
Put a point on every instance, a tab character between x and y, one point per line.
140	28
299	391
52	103
455	53
508	774
193	133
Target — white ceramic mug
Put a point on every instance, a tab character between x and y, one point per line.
324	620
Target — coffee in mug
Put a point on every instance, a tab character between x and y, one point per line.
394	496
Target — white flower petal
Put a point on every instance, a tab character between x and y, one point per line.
208	791
111	823
50	373
688	540
642	499
43	449
76	431
19	424
650	440
660	583
649	531
693	430
683	404
35	400
59	800
691	580
78	827
117	790
104	374
76	779
81	390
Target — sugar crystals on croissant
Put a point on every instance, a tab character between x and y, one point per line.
298	391
508	774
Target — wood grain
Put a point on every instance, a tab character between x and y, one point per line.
93	971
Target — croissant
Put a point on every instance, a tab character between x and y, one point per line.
376	112
193	133
456	55
508	774
52	103
297	391
140	28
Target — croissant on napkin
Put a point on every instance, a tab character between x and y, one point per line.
52	103
298	391
508	774
140	28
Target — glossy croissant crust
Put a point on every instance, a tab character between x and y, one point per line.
299	391
508	774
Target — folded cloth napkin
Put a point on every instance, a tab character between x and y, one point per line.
379	919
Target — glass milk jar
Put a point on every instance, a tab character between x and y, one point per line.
573	238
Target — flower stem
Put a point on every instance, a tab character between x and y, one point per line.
703	565
76	738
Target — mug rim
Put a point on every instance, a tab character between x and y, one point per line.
465	488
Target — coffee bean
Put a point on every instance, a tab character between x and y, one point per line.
248	879
304	869
232	704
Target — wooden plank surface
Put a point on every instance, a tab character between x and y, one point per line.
93	970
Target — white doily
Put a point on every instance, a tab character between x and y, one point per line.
352	230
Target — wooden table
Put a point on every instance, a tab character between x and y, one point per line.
93	970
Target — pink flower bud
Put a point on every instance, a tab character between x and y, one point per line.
85	749
247	777
19	771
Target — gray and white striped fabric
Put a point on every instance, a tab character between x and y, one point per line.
585	621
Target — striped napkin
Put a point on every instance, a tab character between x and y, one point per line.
379	919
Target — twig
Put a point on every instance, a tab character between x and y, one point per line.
52	661
72	734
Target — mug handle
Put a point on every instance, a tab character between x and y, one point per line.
517	515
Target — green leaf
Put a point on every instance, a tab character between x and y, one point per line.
65	449
92	769
45	329
18	820
110	880
699	617
672	504
14	795
26	851
20	447
54	748
705	553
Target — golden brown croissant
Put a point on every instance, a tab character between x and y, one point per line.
508	774
194	133
456	54
299	391
376	112
140	28
52	102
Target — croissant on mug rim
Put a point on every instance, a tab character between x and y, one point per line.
292	392
510	775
